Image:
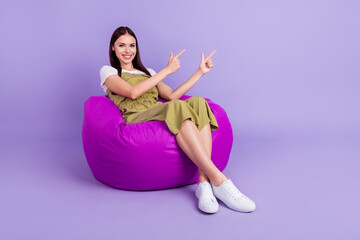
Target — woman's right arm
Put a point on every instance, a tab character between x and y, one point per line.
119	86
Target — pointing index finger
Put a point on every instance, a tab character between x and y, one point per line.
212	53
182	51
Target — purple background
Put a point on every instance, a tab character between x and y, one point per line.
286	72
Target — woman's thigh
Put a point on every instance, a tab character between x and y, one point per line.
159	112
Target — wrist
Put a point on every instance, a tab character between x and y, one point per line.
166	71
199	72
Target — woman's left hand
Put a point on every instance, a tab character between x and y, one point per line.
206	63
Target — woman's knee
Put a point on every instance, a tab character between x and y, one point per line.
188	121
196	99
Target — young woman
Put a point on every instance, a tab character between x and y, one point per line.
135	90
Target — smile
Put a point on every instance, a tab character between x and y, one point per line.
127	56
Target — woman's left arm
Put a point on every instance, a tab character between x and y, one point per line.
205	66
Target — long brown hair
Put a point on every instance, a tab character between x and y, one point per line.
114	61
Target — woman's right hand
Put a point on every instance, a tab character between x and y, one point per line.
174	62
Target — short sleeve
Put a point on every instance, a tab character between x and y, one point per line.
151	71
105	72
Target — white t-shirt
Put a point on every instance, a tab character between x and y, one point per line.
106	71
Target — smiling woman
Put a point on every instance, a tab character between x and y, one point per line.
135	89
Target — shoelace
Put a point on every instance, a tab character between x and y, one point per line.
234	192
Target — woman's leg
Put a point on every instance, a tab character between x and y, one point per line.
201	107
189	140
206	139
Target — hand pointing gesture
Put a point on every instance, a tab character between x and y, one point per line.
206	63
174	62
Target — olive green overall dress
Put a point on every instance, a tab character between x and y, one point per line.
146	108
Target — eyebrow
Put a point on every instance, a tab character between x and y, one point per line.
125	43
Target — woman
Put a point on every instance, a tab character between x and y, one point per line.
135	90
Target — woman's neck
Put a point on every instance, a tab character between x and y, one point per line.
128	67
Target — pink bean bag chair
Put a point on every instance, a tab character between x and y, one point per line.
143	156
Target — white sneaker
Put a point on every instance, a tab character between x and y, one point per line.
207	201
232	197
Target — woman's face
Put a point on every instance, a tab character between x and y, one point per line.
125	48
